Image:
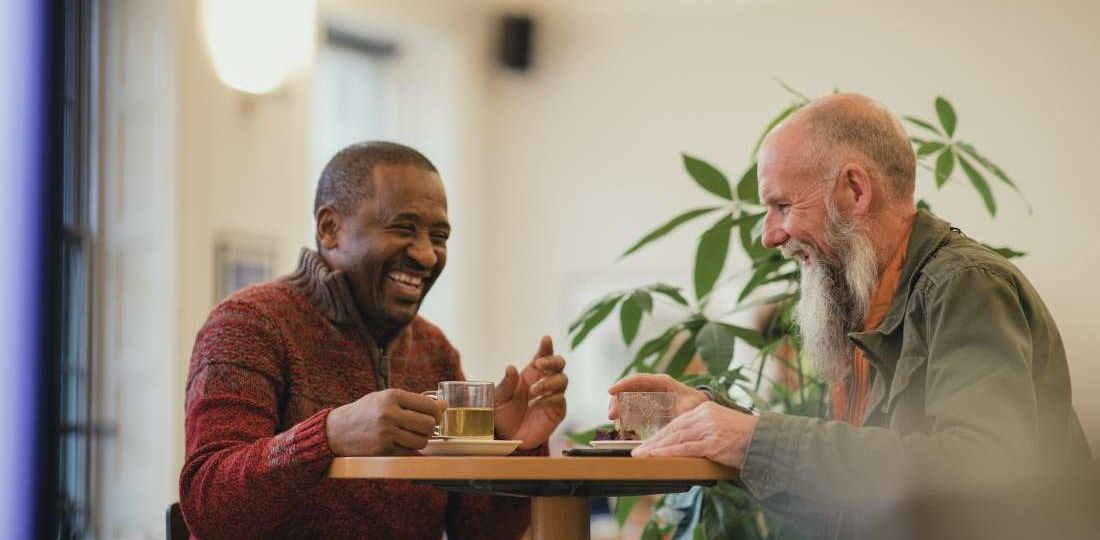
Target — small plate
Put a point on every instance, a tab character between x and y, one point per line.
468	447
615	445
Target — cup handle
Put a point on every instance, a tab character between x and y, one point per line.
434	394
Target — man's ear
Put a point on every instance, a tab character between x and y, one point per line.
328	225
856	188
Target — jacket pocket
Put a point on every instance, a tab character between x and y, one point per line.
905	374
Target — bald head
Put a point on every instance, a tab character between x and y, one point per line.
848	127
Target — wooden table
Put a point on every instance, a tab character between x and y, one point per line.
559	486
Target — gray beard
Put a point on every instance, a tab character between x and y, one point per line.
836	295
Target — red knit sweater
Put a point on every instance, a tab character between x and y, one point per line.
268	366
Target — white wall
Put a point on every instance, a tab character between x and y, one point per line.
582	154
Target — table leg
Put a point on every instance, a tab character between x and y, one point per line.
559	518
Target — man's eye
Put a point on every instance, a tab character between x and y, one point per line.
405	229
783	209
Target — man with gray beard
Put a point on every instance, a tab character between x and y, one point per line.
950	388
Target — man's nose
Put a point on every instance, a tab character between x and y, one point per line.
421	251
773	236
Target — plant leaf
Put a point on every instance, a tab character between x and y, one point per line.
710	256
788	276
651	531
945	164
650	348
775	121
682	358
669	291
980	184
923	124
793	92
724	512
773	299
930	147
751	337
747	186
715	344
708	177
630	318
668	227
643	299
993	168
984	162
946	113
922	205
760	275
594	320
749	242
623	506
1006	251
592	308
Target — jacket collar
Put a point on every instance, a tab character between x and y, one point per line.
929	233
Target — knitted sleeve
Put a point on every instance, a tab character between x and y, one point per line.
240	478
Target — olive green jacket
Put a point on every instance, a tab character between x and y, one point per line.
969	379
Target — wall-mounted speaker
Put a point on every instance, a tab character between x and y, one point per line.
517	34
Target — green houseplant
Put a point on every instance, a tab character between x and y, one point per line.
725	510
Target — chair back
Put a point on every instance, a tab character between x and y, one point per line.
175	527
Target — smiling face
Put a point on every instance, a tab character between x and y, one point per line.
392	247
793	188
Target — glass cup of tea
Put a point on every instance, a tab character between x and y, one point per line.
641	414
469	413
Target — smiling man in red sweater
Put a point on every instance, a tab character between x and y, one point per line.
330	361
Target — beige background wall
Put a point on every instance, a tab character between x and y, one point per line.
551	174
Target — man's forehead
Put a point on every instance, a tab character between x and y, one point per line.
408	192
783	163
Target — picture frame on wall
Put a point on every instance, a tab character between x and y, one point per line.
242	260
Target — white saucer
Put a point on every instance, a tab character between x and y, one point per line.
468	447
615	445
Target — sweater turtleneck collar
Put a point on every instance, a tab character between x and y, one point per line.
328	290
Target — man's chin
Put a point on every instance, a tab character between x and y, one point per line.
400	317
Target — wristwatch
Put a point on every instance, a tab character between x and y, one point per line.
725	401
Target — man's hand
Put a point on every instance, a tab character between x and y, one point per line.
388	422
687	398
709	430
531	403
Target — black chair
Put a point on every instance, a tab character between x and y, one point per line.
175	527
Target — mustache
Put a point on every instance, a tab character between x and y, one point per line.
797	249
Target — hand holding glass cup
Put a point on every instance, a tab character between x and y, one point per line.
469	413
642	414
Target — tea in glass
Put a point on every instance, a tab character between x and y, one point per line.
469	413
